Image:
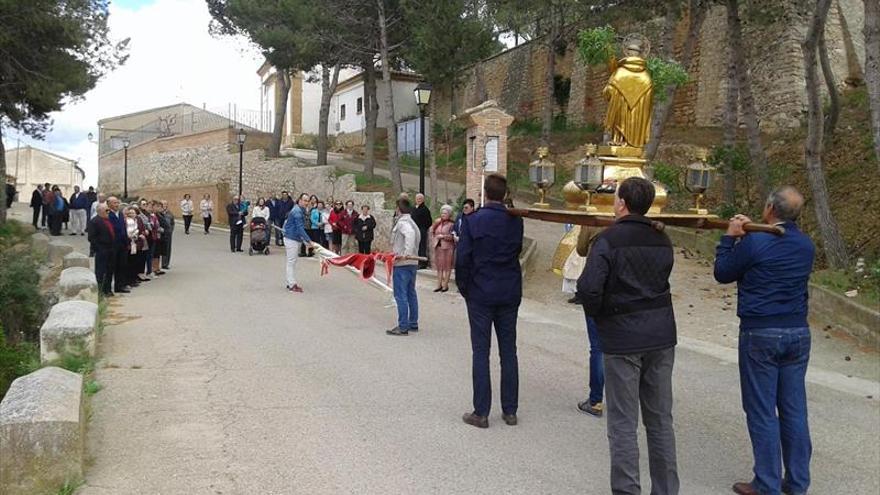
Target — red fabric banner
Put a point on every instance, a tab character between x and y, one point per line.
364	263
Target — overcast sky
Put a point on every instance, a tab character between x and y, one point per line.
172	59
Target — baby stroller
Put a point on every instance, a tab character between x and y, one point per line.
259	236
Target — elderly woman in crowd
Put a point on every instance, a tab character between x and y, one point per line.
186	210
137	245
206	206
443	242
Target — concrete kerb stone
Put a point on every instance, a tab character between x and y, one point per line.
75	259
58	250
78	284
69	329
40	245
42	432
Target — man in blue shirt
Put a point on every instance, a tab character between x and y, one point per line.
488	275
772	273
294	237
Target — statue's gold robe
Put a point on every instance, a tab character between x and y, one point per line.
630	95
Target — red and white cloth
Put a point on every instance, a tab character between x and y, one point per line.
363	263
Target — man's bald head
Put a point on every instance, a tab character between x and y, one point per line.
785	203
101	210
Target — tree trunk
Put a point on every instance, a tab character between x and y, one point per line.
393	165
833	95
328	87
3	174
282	80
662	111
747	101
832	242
731	123
432	158
371	115
550	72
872	67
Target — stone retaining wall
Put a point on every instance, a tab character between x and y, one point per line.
515	78
42	428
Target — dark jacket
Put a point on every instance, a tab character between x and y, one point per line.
101	233
274	209
284	209
487	269
625	287
10	194
166	222
421	215
79	201
118	221
233	211
772	274
364	234
36	198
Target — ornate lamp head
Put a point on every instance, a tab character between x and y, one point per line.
542	175
699	180
589	172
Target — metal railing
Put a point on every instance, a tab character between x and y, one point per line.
189	122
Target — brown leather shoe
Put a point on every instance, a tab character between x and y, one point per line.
474	420
510	419
744	489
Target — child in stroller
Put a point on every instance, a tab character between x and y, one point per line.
259	236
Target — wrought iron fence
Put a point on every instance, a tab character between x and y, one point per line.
191	121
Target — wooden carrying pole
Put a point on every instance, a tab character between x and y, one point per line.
677	219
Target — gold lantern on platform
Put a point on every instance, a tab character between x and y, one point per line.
589	172
699	180
542	175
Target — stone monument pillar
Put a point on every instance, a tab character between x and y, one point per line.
487	127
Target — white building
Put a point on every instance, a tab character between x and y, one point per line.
347	119
31	166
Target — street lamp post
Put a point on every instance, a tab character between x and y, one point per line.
125	144
241	138
422	93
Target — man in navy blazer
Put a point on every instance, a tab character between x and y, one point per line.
488	275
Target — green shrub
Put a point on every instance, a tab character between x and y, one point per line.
665	74
597	46
15	361
21	304
668	175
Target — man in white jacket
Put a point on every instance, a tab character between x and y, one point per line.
405	238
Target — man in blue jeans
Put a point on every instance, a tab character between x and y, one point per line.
772	273
489	277
405	244
593	405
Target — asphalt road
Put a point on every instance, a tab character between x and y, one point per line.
217	381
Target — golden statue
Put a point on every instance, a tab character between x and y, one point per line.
630	95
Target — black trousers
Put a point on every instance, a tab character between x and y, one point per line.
236	235
207	221
482	318
36	215
105	267
364	247
55	221
187	220
120	274
166	250
45	216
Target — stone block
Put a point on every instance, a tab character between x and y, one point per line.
40	245
41	432
75	259
70	328
78	284
58	250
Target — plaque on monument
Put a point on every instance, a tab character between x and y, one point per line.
491	154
